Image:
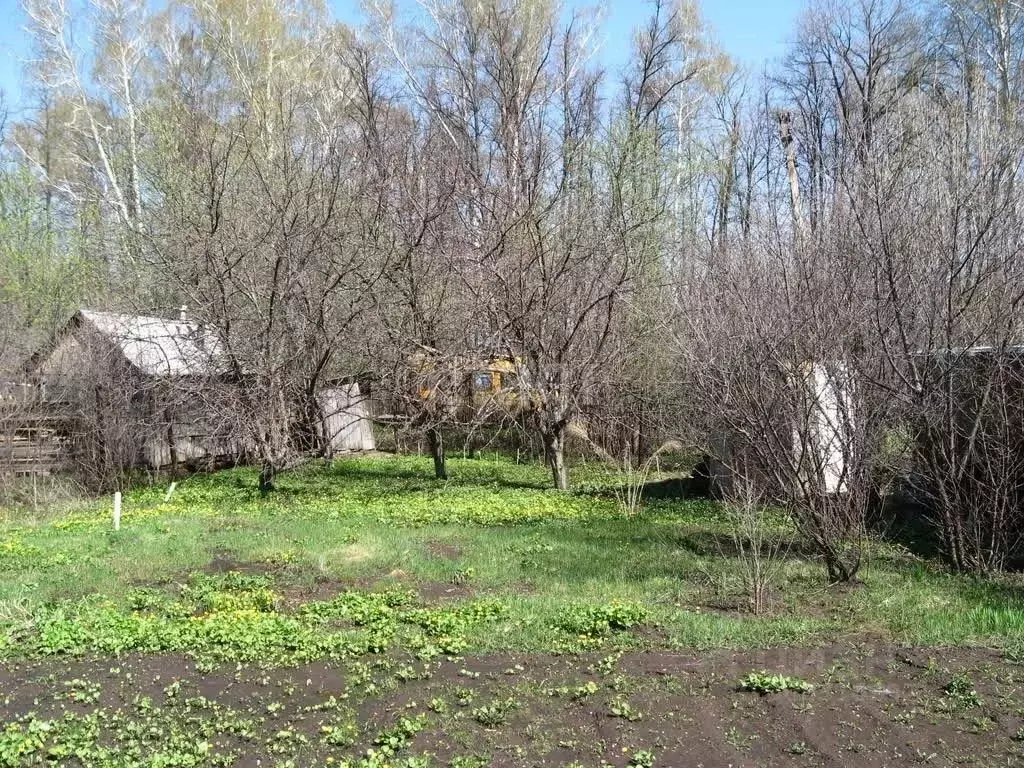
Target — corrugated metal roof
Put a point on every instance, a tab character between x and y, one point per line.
158	346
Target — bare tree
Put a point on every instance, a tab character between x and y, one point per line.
268	219
759	545
774	352
942	216
102	74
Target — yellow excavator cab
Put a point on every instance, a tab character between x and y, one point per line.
488	382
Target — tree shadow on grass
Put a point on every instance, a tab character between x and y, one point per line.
902	520
665	489
670	488
341	471
640	550
717	544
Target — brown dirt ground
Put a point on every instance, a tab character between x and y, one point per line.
872	705
443	550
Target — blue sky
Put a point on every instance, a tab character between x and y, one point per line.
754	32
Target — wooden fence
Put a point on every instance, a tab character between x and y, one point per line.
34	430
33	445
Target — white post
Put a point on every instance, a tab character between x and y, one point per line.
170	491
117	510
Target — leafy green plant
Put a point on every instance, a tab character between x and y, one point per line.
960	691
620	707
600	620
588	688
607	664
341	734
642	758
388	743
468	762
769	682
233	618
494	714
438	705
738	739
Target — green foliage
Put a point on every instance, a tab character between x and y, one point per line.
348	521
151	736
642	759
393	490
16	555
574	692
960	692
769	682
468	762
20	740
44	276
494	714
607	664
232	618
185	733
577	581
232	592
620	707
388	743
342	734
600	620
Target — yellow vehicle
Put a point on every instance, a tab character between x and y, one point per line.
479	386
495	382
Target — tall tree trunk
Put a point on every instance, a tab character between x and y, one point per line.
436	442
554	454
789	147
268	473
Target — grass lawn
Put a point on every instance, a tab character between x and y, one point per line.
368	615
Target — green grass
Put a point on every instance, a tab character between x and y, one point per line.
495	531
355	610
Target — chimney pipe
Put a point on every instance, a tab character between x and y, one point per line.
183	312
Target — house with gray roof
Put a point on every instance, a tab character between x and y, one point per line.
135	391
138	391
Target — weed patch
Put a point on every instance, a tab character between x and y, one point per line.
768	682
232	618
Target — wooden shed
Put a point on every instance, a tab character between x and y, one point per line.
133	390
812	420
140	391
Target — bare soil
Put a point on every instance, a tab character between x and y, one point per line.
443	550
872	705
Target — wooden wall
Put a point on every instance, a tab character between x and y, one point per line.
31	444
347	425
